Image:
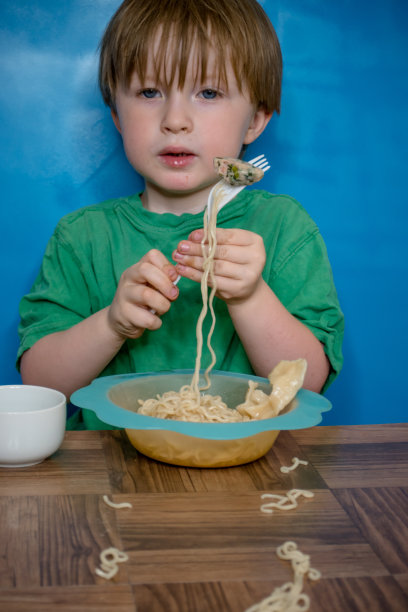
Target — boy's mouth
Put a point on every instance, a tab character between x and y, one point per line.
176	157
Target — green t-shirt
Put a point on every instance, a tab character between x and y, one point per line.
90	248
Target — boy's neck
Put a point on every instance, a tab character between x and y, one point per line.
157	201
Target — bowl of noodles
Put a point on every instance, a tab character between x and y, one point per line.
186	440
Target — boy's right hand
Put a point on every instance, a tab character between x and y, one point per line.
145	291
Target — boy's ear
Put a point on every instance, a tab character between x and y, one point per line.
116	120
259	122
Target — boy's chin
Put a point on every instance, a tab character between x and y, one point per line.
180	188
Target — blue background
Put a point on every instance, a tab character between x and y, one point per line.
339	147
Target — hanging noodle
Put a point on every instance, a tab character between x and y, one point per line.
210	227
188	404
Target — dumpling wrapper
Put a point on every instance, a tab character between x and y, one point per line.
286	379
237	172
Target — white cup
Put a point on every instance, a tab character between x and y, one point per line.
32	424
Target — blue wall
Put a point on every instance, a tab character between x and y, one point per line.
339	147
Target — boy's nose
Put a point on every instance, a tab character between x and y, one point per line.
177	116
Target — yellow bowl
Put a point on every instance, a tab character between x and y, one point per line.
114	399
179	449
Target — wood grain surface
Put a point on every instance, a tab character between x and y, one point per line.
196	538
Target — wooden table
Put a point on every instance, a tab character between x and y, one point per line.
196	538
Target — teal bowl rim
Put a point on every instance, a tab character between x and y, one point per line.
306	413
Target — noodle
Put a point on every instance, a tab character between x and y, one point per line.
110	557
188	404
289	596
284	502
182	406
112	504
210	226
295	463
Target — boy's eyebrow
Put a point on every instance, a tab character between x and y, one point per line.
151	78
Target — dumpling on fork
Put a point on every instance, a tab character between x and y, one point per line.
236	171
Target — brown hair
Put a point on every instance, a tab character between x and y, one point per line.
238	30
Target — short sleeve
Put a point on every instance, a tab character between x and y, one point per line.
304	283
58	299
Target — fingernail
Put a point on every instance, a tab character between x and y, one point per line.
184	247
173	292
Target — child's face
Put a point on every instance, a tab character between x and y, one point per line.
172	135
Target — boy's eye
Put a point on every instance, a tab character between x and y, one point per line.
149	92
209	94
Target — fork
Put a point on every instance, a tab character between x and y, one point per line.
227	192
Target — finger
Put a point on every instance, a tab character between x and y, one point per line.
145	273
193	274
148	298
157	258
187	247
171	272
193	259
223	254
196	235
235	236
139	318
228	284
129	318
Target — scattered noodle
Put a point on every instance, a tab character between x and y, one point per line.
284	502
289	596
112	504
110	557
295	463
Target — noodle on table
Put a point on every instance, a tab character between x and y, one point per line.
112	504
284	502
295	463
110	557
289	596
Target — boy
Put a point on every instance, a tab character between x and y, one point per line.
186	81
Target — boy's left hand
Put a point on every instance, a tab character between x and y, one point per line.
238	263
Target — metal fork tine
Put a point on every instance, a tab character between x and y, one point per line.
257	160
260	162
